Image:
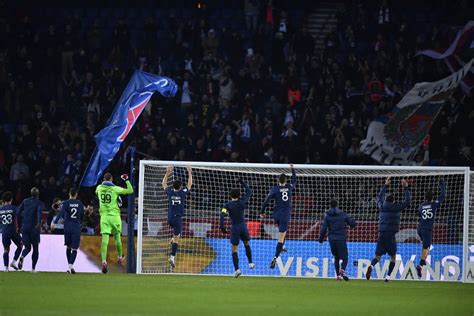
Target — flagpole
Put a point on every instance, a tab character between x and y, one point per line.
131	217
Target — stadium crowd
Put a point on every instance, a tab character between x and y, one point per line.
252	87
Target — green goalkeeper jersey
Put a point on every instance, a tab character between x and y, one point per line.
108	193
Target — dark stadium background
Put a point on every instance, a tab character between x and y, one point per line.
300	85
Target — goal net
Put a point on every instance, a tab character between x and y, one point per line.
203	249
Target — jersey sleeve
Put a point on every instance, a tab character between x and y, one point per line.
406	201
20	209
293	179
442	194
350	221
123	191
270	196
247	194
381	196
323	230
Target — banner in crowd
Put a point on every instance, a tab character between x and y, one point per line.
132	102
394	138
458	54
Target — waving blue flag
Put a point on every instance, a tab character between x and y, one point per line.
134	99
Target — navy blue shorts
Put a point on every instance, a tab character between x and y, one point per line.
339	249
426	237
8	238
72	239
282	221
30	237
239	232
176	223
386	244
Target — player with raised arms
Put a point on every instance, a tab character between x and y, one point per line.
235	210
176	204
30	212
389	225
336	221
110	221
427	211
8	216
281	193
72	211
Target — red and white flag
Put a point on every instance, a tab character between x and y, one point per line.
458	54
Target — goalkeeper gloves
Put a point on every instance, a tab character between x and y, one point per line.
124	177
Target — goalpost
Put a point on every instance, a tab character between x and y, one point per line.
204	250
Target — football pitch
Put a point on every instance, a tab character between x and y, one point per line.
23	293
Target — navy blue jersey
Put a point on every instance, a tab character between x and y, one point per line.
235	209
30	211
282	196
336	220
176	201
8	214
72	211
428	210
389	217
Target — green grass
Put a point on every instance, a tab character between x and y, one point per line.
121	294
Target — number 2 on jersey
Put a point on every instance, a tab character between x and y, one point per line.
74	212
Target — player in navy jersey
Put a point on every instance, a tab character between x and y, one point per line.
427	213
336	221
8	215
281	193
235	210
389	225
72	211
176	204
30	211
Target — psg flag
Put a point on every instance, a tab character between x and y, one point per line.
134	99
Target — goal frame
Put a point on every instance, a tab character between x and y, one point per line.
465	170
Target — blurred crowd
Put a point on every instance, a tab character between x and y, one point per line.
252	86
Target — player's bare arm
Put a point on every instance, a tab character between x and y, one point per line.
190	177
168	172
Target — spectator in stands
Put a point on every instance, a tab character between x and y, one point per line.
251	14
19	170
210	43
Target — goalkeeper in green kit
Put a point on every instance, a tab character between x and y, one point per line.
110	220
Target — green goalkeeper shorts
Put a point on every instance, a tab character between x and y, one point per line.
110	224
